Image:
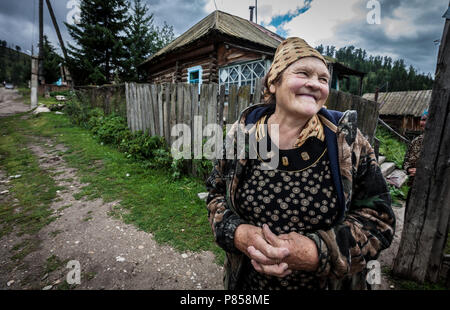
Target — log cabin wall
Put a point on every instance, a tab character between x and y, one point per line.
228	55
406	125
223	55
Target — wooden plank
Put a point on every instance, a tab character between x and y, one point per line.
426	221
155	105
133	107
204	104
180	103
187	119
127	99
139	107
211	117
197	133
187	113
257	93
173	108
332	100
160	110
220	105
168	114
146	104
130	107
232	104
146	109
151	114
243	99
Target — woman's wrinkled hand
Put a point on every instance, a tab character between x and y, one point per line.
303	254
265	258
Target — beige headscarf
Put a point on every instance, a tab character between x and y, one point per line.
288	52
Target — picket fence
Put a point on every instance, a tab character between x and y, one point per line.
155	108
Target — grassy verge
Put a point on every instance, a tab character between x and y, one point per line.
402	284
25	92
34	189
150	198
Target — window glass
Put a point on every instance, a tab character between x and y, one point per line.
243	74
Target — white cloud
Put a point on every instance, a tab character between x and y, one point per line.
317	25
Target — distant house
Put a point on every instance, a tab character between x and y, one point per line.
224	49
402	110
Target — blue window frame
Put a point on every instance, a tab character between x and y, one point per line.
195	76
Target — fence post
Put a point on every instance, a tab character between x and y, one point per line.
257	92
220	106
173	109
243	99
232	104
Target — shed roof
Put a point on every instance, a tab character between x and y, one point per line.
227	24
342	68
402	103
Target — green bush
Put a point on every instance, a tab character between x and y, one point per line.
392	148
78	112
112	129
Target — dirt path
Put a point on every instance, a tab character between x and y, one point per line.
10	102
111	254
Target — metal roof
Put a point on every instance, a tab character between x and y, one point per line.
227	24
403	102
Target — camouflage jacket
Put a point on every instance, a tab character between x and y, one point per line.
366	222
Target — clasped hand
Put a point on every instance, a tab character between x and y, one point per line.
276	255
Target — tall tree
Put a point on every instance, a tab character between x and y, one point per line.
380	71
52	61
99	53
144	38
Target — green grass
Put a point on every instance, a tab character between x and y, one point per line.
25	92
24	248
53	263
149	198
402	284
392	148
34	190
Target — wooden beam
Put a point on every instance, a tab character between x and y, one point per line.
426	222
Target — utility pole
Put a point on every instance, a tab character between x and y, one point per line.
34	81
58	33
41	42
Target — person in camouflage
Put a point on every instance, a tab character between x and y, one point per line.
414	150
323	239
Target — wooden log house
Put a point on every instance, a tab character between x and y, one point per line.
223	49
402	110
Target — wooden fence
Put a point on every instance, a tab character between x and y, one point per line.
156	108
110	98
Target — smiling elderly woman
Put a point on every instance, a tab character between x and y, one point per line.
318	217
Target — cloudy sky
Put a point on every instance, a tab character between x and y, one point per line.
405	29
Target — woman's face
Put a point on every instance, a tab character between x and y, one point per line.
304	87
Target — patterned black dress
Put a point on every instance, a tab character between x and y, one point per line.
298	196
